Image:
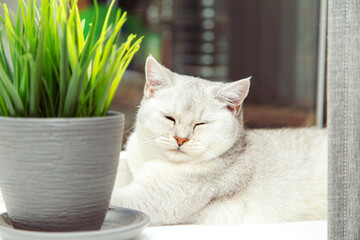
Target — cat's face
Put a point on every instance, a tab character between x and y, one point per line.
184	118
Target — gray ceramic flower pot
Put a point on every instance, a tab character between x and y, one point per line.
57	174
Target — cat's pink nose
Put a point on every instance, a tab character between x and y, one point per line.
181	141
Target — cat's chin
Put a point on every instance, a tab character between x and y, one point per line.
177	155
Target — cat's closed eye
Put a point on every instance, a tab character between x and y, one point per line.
170	118
198	124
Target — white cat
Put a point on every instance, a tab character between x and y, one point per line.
192	161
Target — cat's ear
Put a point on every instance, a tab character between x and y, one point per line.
157	76
234	94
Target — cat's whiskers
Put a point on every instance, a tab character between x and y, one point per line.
149	144
165	141
130	129
235	143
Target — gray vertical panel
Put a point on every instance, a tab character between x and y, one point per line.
344	118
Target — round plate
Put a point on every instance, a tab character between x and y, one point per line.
120	223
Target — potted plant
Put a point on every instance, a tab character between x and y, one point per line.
59	144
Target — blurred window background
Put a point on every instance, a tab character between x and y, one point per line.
274	41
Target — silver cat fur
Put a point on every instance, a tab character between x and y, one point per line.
220	172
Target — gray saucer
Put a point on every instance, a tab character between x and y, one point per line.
120	224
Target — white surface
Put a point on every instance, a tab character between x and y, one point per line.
285	231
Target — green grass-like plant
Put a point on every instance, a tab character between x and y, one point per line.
53	70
